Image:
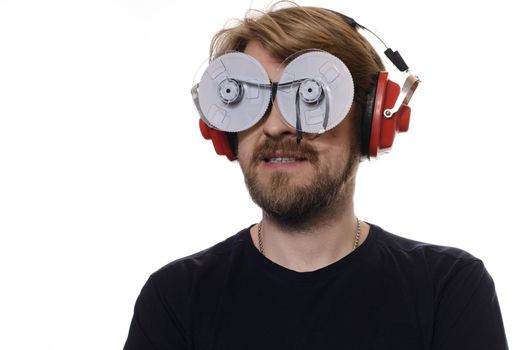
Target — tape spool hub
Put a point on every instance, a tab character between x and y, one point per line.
311	91
230	91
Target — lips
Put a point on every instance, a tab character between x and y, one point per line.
284	152
282	157
283	160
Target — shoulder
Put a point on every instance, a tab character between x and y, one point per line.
206	264
441	266
453	287
416	251
171	294
455	293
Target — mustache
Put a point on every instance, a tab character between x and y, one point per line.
285	146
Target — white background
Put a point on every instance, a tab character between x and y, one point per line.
104	176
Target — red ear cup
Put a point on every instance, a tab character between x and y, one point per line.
205	130
375	130
388	125
219	139
383	130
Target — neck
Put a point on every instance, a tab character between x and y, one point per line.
320	241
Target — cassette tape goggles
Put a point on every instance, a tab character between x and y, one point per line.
314	93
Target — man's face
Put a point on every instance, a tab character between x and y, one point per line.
293	183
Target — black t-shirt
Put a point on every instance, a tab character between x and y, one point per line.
390	293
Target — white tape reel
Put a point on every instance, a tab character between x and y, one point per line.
234	92
322	93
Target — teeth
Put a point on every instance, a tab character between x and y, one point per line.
282	160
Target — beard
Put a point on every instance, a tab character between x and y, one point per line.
294	206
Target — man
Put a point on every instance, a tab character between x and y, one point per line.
310	275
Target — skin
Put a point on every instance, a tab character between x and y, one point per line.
329	236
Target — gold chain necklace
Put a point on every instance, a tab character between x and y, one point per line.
261	247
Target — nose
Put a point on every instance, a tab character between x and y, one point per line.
274	126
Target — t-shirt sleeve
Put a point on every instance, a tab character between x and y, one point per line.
154	326
467	314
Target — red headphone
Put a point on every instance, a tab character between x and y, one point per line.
378	127
379	124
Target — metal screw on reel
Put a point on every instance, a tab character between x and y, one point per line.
230	91
311	91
